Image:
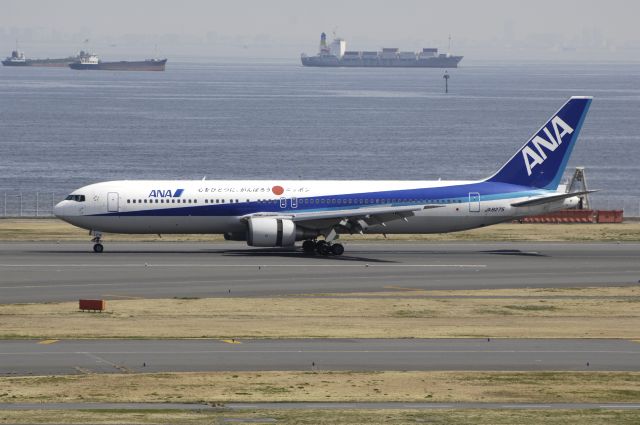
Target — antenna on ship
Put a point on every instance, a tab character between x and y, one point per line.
449	51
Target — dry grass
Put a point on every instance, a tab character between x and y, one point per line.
56	230
298	386
558	313
322	417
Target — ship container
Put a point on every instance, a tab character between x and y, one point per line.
407	55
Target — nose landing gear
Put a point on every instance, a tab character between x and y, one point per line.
322	247
97	239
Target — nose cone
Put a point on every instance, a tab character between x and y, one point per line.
58	210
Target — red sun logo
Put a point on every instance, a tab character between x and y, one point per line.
277	190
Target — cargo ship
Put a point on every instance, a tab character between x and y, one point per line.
93	62
17	58
337	55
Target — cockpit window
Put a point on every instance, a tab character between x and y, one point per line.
77	198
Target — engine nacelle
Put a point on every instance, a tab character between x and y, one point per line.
267	232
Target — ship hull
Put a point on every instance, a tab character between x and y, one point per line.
46	63
50	63
121	66
13	63
333	62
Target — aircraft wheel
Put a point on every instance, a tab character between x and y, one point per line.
337	249
324	249
320	244
98	248
309	247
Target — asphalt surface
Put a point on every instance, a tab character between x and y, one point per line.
20	357
38	272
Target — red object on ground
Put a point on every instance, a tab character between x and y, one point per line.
95	305
577	216
563	216
613	216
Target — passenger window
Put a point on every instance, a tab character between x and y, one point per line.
134	201
128	201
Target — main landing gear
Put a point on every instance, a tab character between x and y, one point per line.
97	239
322	247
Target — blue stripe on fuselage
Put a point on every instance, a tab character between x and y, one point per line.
445	194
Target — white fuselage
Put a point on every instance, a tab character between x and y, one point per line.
219	206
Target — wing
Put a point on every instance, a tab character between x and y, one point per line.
352	219
547	199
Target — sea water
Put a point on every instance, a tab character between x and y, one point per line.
253	119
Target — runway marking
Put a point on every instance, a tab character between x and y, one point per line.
241	265
204	282
129	297
103	360
231	341
402	288
48	341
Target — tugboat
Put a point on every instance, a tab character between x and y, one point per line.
93	62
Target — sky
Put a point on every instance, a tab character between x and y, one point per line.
488	29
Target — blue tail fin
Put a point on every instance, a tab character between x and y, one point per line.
541	161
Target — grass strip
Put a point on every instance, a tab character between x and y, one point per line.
559	313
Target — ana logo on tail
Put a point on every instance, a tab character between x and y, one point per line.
537	157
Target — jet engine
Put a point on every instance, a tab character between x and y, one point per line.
267	232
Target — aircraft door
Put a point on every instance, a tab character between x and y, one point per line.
294	202
113	202
474	202
283	202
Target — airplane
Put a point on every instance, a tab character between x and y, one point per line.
274	213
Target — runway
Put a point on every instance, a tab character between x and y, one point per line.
41	272
20	357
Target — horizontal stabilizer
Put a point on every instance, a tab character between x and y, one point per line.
548	199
